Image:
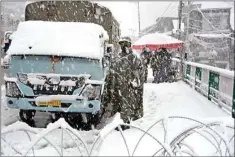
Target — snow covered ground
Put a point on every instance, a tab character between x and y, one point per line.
160	101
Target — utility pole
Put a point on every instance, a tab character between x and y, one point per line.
179	37
188	13
139	16
180	18
187	50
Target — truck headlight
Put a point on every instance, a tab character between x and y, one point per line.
23	78
12	89
92	92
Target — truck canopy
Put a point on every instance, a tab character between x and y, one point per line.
75	39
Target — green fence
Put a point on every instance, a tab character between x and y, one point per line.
207	81
188	71
214	84
198	76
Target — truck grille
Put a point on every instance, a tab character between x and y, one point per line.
49	90
43	84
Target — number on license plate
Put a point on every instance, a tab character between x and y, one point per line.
53	103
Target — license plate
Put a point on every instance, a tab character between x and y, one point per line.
54	103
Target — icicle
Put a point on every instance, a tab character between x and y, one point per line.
62	88
55	88
70	88
47	87
35	87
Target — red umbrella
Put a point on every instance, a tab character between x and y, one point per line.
156	41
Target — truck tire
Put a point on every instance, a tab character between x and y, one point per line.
55	116
94	119
75	120
27	117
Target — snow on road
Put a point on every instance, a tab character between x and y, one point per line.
160	100
8	115
177	99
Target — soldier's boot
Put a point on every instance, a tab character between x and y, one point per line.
126	119
123	127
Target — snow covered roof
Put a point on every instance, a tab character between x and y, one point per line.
217	4
220	5
212	35
76	39
29	2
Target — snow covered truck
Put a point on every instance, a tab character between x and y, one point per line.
75	11
58	67
59	59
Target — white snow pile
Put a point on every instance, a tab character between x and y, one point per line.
75	39
157	39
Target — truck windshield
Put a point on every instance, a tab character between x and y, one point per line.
55	64
52	57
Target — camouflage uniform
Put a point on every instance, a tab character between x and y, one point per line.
145	56
120	94
161	64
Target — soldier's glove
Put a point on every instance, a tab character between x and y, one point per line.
135	85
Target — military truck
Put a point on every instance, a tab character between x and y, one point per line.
49	70
75	11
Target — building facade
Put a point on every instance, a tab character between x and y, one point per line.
210	31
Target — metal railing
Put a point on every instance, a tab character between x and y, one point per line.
215	83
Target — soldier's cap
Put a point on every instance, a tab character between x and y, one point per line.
125	39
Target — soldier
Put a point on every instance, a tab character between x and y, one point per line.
161	64
125	82
145	56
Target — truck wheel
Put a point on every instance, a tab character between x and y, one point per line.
74	120
95	119
55	116
27	116
92	121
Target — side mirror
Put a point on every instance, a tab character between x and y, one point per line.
109	50
5	62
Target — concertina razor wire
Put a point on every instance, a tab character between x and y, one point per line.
176	146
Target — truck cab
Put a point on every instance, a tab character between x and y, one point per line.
57	67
